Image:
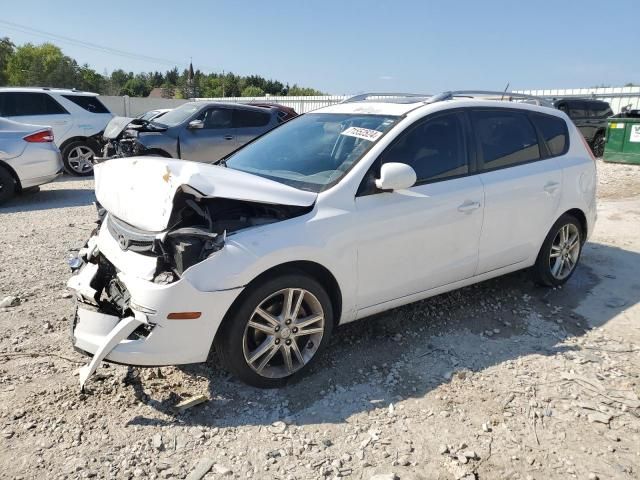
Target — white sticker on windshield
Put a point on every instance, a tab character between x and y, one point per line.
364	133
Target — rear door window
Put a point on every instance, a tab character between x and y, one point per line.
250	118
554	131
17	104
505	138
88	102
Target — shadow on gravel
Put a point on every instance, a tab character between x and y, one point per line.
409	351
49	199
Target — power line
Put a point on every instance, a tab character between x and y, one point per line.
88	45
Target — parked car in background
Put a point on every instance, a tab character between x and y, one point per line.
76	118
153	114
339	214
28	157
199	131
285	113
590	116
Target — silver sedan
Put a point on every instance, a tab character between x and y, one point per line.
28	157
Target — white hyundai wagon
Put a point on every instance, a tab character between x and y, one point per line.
334	216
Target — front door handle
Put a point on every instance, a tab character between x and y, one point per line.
551	187
228	137
468	206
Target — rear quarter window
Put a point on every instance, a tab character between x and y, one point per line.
89	103
250	118
554	132
505	138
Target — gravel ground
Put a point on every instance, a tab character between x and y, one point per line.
501	380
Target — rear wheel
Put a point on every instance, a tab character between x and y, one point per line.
597	146
276	331
560	252
77	158
7	185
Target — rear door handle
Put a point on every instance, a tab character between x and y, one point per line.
551	187
228	137
468	206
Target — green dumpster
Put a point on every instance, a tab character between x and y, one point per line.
623	140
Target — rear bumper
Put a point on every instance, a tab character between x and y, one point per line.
156	340
34	182
38	164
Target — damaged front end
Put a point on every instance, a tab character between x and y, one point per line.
121	138
130	279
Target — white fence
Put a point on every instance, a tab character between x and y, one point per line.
299	104
617	97
133	106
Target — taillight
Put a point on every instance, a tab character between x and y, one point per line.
40	137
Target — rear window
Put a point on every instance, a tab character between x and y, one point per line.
250	118
554	131
21	104
577	109
89	102
600	110
506	138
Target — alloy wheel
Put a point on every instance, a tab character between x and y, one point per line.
284	332
565	251
79	159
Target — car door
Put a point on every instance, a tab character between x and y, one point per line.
426	236
522	186
249	123
211	139
36	108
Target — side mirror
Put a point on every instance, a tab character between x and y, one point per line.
396	176
195	124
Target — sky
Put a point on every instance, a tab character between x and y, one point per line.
343	47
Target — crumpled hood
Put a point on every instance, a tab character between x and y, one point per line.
119	124
140	190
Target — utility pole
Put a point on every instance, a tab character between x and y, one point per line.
222	83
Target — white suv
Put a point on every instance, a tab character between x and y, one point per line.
76	118
339	214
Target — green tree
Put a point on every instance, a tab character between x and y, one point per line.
7	49
296	91
41	65
252	91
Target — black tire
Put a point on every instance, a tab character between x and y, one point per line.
230	341
7	185
544	266
69	158
597	145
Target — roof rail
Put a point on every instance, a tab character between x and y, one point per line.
364	96
507	96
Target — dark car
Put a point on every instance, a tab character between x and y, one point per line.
590	116
285	113
199	131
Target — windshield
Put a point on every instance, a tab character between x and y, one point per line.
312	151
178	115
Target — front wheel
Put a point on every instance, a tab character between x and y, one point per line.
560	252
276	331
77	158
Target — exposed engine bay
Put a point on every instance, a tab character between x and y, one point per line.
120	138
197	228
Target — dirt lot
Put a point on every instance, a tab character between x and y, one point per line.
502	380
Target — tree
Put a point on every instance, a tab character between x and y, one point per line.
7	49
41	65
296	91
252	91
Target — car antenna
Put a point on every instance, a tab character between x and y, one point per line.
505	91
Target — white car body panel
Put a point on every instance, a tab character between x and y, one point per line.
77	123
384	250
147	205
